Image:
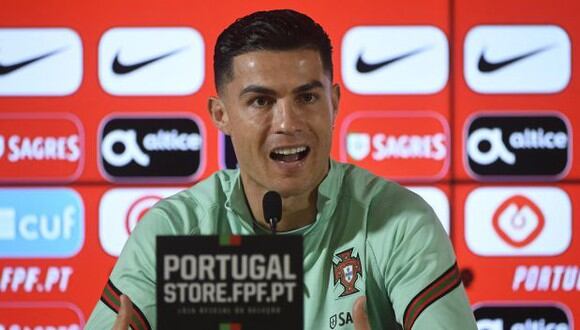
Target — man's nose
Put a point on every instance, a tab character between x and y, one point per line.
287	118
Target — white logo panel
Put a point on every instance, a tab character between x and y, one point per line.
518	221
151	61
438	201
40	62
395	60
517	59
121	209
7	223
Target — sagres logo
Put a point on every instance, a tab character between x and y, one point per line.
151	61
399	145
121	209
41	223
523	316
340	319
40	62
147	147
395	59
518	221
518	145
517	59
347	269
49	315
40	147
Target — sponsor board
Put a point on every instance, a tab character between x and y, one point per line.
41	223
518	146
397	145
146	148
438	201
251	281
523	316
542	278
41	147
40	61
518	221
121	209
151	61
514	59
34	279
395	60
47	315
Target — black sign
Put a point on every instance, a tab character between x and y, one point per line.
522	317
233	282
228	159
166	148
518	146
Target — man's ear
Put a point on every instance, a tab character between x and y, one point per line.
218	114
335	100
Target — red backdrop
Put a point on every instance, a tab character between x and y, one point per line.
505	274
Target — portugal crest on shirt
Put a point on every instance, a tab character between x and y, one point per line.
347	271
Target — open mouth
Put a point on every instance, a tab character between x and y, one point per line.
293	154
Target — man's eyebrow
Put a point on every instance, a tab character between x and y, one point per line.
306	87
258	90
267	91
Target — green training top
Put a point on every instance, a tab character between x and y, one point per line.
371	237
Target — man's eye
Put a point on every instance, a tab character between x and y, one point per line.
308	98
261	102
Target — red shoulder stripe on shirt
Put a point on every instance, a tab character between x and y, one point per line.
444	284
111	297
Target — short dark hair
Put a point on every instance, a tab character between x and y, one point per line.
281	29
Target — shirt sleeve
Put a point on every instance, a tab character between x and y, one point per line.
421	275
134	275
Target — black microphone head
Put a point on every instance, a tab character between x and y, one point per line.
272	206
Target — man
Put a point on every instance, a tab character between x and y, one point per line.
277	101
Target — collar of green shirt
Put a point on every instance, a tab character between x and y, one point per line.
328	197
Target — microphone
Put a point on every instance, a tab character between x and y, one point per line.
272	207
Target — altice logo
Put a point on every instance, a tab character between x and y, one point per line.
148	147
518	145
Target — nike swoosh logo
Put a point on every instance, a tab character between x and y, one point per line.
120	68
486	66
6	69
364	67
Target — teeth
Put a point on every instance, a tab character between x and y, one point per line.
289	151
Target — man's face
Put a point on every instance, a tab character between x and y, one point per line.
279	110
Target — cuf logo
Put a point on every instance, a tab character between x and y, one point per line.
346	271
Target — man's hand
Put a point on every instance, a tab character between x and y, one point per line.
125	313
359	312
